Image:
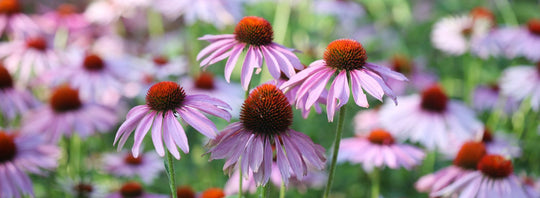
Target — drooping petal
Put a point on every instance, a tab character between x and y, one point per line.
231	62
142	129
156	134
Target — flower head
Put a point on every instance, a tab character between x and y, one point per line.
494	178
133	190
165	102
256	34
66	114
522	82
14	101
347	58
379	149
264	121
20	153
147	165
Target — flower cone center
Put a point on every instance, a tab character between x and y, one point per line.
165	96
8	149
131	160
254	31
185	192
83	190
345	54
470	154
93	62
160	60
401	64
66	9
534	26
37	43
205	81
213	193
495	166
380	136
482	13
65	99
266	111
434	99
5	78
488	136
9	6
131	190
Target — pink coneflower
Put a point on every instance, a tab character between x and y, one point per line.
165	102
162	67
532	186
147	165
431	119
212	193
22	152
133	190
83	188
13	21
293	91
64	17
465	162
494	178
29	57
523	41
185	192
255	34
378	150
347	58
99	79
219	13
14	101
522	82
207	83
453	35
67	114
490	98
264	121
502	144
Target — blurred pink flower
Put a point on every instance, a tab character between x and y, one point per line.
21	152
247	145
147	165
165	103
64	17
256	34
489	98
432	120
521	83
219	13
378	149
522	41
14	101
414	70
13	21
501	144
466	161
494	178
133	190
67	114
347	58
29	57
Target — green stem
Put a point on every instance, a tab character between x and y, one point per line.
375	183
282	190
170	171
155	24
264	191
240	190
508	14
337	140
281	20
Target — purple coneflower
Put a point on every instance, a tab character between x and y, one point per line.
29	57
414	70
431	119
67	114
13	21
347	58
494	178
133	190
212	193
453	35
14	101
165	102
23	152
161	67
521	83
64	17
465	162
219	13
207	83
264	121
255	34
379	149
83	188
147	165
99	79
524	41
